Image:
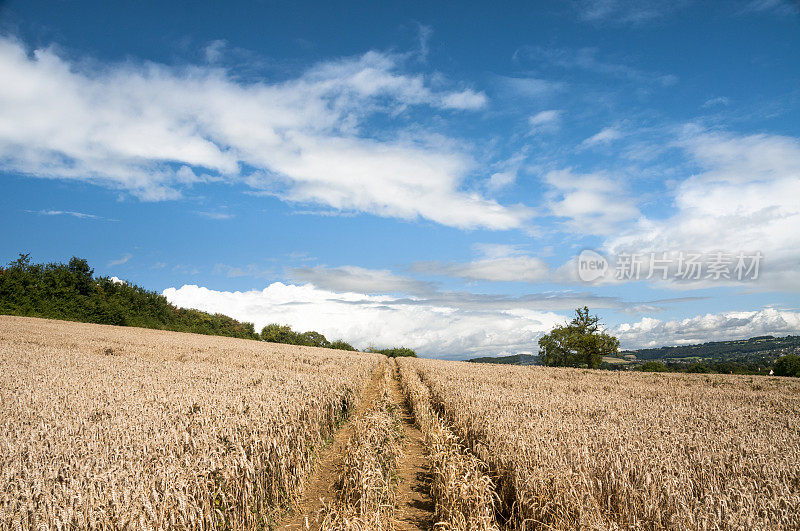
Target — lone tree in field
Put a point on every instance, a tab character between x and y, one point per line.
577	344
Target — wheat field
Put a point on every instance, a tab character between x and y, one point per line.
579	449
108	428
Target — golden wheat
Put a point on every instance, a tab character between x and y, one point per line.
106	427
463	493
364	490
578	449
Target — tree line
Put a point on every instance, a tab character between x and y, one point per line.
759	350
71	292
277	333
703	367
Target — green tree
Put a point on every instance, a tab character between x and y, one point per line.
698	368
275	333
580	343
788	365
653	366
395	352
340	344
82	274
313	339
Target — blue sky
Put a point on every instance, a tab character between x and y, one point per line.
424	174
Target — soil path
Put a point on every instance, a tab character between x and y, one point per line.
329	467
414	504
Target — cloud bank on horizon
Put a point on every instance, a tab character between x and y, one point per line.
452	327
404	195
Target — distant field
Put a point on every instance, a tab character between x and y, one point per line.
613	361
116	427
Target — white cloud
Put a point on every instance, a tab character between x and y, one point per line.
633	12
424	34
507	172
458	325
530	87
466	99
155	131
79	215
215	215
649	332
214	50
250	270
604	136
591	203
185	269
502	179
433	329
120	260
746	198
499	263
373	75
360	280
777	7
719	100
587	59
545	121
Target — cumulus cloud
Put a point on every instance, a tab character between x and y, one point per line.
650	332
459	325
590	203
439	330
466	99
155	131
746	197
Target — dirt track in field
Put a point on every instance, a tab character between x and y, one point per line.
321	489
414	505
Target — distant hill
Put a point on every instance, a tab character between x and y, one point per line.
761	350
71	292
752	356
515	359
